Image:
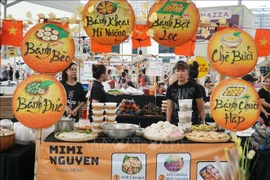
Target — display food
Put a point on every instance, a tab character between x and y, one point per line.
115	92
163	131
79	126
202	136
210	172
174	163
151	109
76	136
131	165
128	107
5	132
203	127
47	34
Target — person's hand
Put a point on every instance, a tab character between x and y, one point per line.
260	120
74	112
68	111
267	115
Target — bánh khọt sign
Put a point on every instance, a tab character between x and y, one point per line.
46	48
232	52
173	23
39	101
108	22
235	104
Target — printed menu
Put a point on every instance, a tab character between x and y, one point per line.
209	170
173	166
128	166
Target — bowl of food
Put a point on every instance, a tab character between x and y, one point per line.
119	130
231	40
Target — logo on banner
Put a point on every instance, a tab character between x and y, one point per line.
235	104
173	22
232	52
108	22
39	101
46	48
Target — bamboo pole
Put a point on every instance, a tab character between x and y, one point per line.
38	142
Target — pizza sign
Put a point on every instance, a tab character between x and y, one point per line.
174	22
108	22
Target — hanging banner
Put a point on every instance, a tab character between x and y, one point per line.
235	104
108	22
173	23
232	52
46	48
130	161
203	66
39	101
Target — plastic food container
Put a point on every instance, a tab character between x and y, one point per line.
111	112
110	106
185	105
97	106
98	113
97	119
185	116
110	118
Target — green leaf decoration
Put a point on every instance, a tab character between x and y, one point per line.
115	5
246	96
64	130
45	84
86	132
237	34
62	32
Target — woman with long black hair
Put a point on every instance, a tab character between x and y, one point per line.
75	93
98	93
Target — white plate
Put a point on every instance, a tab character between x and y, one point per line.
245	133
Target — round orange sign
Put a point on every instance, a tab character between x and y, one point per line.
108	22
46	48
39	101
232	52
173	22
235	104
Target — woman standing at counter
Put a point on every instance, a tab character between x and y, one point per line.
98	93
183	89
75	93
264	94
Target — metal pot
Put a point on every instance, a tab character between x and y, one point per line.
119	130
65	123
